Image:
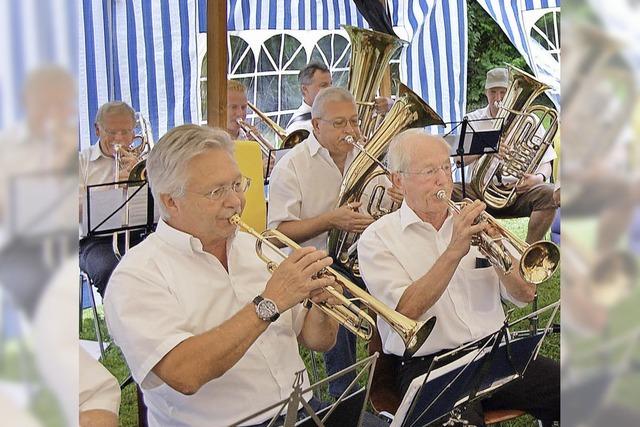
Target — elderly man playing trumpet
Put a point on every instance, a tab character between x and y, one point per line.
419	259
209	335
114	126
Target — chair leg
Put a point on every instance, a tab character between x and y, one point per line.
96	323
82	278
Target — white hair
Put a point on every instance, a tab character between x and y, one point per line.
329	94
169	159
399	154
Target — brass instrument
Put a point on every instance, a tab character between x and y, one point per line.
538	261
371	52
494	179
407	112
348	314
286	141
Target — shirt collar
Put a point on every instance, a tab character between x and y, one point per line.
96	152
409	217
182	241
313	144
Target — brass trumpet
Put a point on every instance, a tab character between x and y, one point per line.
348	314
538	261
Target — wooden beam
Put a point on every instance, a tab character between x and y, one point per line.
217	63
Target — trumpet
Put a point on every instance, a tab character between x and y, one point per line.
538	261
252	131
348	314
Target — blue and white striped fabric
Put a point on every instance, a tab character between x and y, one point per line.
33	34
143	53
540	4
433	65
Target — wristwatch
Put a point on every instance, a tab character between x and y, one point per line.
266	309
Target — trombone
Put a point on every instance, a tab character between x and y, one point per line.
286	141
538	261
348	314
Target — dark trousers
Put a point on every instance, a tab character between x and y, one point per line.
537	393
98	260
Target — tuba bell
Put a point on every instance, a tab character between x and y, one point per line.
371	52
494	178
348	314
407	112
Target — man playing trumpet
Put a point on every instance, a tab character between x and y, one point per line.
419	259
209	335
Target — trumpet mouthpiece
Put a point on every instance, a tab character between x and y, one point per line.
441	195
234	219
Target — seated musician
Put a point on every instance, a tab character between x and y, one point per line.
418	259
535	194
236	109
303	195
312	78
114	125
209	335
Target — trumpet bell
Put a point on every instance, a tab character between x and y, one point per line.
139	171
539	261
418	336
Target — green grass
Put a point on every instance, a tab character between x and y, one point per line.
548	293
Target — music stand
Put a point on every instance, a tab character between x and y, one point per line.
99	217
472	141
274	157
489	363
347	410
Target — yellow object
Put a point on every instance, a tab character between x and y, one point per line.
556	162
249	158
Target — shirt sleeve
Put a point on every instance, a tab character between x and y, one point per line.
506	296
145	319
98	388
285	195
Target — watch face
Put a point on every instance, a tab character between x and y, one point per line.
267	309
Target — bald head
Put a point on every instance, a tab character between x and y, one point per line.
412	144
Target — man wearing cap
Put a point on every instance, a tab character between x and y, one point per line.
535	193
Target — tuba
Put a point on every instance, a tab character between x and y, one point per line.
407	112
286	141
371	52
494	178
348	314
538	261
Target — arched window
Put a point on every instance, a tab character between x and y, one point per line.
546	31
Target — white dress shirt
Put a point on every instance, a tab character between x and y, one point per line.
167	289
400	248
305	183
95	166
300	124
484	113
98	388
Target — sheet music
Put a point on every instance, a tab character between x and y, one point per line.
104	200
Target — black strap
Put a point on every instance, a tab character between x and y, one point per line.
300	118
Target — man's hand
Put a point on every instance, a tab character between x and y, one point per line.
322	295
382	105
293	281
347	218
464	228
395	194
556	196
527	182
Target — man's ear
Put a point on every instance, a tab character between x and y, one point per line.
396	180
97	128
169	203
305	91
315	122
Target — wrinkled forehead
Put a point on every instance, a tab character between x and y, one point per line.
428	151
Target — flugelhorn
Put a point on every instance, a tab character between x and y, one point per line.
538	261
348	314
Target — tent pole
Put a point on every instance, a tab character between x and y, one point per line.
217	63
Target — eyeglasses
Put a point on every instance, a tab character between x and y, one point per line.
219	193
341	123
431	171
115	132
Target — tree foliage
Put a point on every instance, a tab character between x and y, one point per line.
489	47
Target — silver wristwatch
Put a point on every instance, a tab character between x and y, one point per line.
266	309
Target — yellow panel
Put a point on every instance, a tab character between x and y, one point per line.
249	158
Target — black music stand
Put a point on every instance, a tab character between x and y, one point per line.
102	223
473	141
491	363
347	410
274	157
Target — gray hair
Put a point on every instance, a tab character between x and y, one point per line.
169	159
399	155
305	76
329	94
114	107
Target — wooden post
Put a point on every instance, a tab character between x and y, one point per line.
217	63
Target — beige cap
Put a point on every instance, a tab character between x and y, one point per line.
497	77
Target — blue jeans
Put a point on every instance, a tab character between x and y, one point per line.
341	356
